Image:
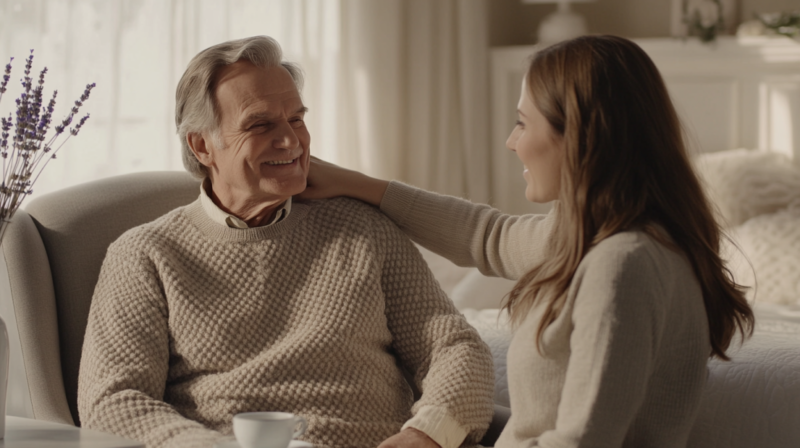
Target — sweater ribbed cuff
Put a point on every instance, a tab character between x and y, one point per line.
397	200
439	425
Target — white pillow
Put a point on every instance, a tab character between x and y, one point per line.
746	183
446	272
476	291
771	242
495	330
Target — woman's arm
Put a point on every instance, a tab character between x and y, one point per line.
468	234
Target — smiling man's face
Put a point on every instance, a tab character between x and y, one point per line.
264	157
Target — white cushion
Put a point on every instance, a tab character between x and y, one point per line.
770	248
493	326
476	291
746	183
447	274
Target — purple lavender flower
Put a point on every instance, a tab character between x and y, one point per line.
47	117
24	149
79	125
6	77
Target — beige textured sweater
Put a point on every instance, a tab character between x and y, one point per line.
625	363
193	322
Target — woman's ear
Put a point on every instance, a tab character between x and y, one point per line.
197	143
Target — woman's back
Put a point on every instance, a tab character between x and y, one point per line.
624	363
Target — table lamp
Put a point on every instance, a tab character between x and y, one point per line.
561	25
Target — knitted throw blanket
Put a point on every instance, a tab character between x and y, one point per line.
193	322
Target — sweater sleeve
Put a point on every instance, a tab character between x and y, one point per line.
469	234
618	318
450	364
125	358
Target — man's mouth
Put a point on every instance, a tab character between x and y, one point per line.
281	162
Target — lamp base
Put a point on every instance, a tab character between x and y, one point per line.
561	25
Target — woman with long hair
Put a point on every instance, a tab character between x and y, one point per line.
622	295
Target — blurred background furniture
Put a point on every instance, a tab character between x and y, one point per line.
562	24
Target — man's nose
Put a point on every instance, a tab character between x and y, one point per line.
286	138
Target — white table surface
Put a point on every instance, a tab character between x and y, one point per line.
29	433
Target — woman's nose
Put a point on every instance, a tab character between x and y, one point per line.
511	142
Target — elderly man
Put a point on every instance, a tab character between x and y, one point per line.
244	301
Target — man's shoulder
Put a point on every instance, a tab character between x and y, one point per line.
348	211
341	203
150	233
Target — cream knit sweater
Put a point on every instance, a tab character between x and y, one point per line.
624	365
193	322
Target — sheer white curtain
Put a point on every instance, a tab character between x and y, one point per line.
396	88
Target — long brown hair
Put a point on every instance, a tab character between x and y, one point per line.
625	166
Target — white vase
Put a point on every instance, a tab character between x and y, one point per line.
3	376
4	353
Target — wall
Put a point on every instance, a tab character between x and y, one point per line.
515	23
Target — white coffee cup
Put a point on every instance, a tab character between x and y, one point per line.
267	429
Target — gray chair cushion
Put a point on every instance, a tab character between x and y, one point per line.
77	225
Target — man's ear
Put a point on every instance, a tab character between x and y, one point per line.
198	144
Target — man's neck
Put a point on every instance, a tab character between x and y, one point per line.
252	213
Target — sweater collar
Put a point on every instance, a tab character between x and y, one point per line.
197	215
218	215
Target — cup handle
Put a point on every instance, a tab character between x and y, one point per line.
303	426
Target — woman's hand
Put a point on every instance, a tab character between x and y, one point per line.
326	180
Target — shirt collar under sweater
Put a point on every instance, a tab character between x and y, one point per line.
196	214
226	219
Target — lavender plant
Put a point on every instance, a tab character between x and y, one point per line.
24	146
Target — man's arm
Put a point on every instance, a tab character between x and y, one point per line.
125	358
451	365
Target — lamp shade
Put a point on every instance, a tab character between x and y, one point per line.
556	1
563	24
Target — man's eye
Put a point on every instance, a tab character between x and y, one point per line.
297	122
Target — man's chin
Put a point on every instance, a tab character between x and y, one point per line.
285	190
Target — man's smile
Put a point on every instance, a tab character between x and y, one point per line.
281	162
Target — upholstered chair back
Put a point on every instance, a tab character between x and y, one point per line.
53	251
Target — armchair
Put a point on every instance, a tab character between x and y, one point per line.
52	253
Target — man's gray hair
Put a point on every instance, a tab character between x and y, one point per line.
196	109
